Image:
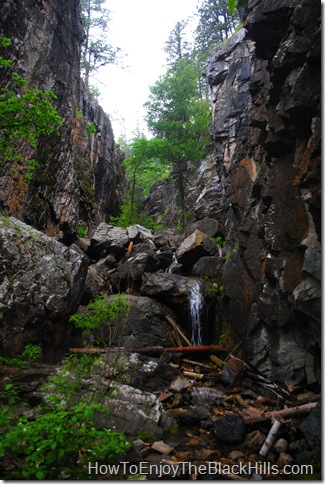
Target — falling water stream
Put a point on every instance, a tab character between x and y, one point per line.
196	304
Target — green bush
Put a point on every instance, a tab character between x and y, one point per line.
61	438
133	215
100	314
31	353
25	115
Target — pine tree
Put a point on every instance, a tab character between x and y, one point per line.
177	116
96	52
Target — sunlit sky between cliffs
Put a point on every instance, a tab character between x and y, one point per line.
140	28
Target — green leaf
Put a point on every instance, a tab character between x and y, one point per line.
231	6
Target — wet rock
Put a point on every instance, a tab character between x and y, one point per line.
41	284
129	274
207	266
81	176
148	373
205	395
166	237
138	233
97	281
195	246
107	238
180	383
193	417
144	324
284	460
208	226
281	445
161	447
172	289
311	427
232	371
230	429
132	411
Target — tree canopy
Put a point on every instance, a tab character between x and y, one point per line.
96	51
177	116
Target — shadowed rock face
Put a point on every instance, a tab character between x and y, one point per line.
80	176
267	156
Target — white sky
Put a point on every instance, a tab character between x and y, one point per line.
140	28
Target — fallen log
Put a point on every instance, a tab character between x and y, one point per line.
281	414
150	350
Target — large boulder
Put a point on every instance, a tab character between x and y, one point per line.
144	324
41	284
108	239
130	272
194	247
132	411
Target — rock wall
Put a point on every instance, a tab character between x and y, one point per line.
265	88
80	178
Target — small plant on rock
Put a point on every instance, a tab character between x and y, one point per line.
98	318
60	439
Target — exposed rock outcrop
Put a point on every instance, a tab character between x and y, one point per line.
80	178
40	286
266	108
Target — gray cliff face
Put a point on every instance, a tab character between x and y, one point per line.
265	88
80	176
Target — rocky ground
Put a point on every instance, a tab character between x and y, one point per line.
198	417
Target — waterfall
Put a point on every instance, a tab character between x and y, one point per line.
196	305
169	269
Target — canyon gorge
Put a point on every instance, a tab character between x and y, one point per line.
246	270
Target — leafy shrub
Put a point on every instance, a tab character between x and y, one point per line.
99	316
91	128
31	353
81	230
132	215
25	115
59	441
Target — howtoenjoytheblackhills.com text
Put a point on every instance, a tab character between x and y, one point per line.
186	468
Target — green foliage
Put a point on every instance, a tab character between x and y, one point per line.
93	90
216	24
233	4
180	119
61	438
31	353
25	115
220	241
100	314
91	128
96	52
177	47
81	230
79	112
133	214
